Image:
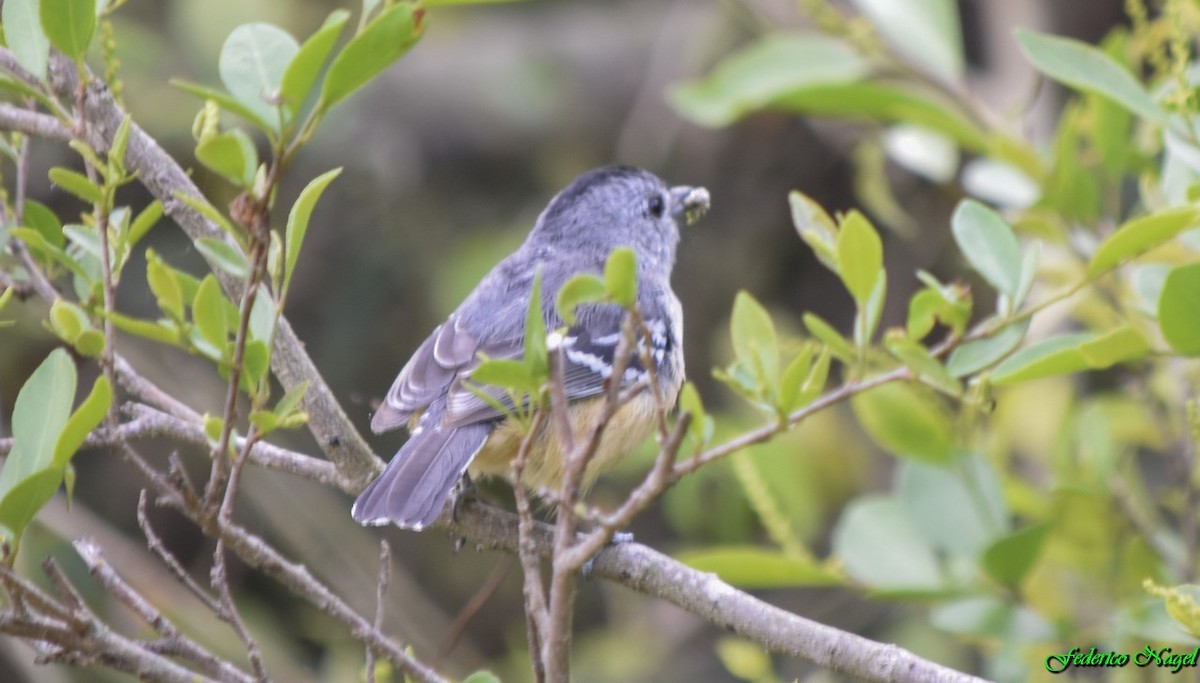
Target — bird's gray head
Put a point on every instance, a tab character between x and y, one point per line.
618	206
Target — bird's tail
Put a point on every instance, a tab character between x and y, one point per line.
413	489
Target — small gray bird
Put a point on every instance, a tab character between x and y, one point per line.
454	430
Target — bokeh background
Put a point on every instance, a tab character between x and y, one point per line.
448	159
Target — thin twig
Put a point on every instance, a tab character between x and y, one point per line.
526	550
155	544
381	588
219	579
174	641
149	392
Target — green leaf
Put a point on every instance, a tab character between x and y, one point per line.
1071	353
1029	267
701	427
868	316
262	315
978	354
298	218
201	206
382	42
304	69
837	344
86	417
793	378
39	217
1140	235
39	415
224	255
256	360
584	288
755	343
162	332
24	36
926	31
165	286
145	220
24	498
536	358
814	384
86	238
77	184
906	422
1179	309
923	313
1009	558
34	240
265	421
483	675
290	400
69	24
751	567
68	320
753	77
252	63
971	489
860	257
1055	356
994	619
989	244
231	154
890	102
116	152
620	277
923	365
879	546
1089	69
208	313
226	101
90	343
6	296
29	477
816	228
509	374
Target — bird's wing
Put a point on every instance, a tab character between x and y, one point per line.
450	350
589	348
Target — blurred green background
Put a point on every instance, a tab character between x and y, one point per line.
448	159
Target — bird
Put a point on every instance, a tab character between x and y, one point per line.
454	431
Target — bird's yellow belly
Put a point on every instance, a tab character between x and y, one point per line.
544	468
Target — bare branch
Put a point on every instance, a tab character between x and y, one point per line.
526	550
147	391
230	615
77	636
174	641
32	123
647	571
381	587
156	546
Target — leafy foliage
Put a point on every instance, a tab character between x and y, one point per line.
962	525
1026	402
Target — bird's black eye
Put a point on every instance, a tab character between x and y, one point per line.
655	205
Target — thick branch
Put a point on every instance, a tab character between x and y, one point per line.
647	571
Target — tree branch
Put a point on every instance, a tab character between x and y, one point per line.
649	572
167	181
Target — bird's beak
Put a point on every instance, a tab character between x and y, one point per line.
689	203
